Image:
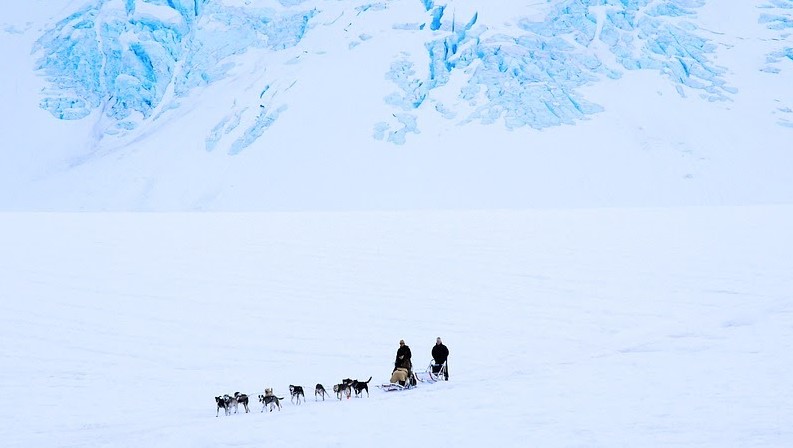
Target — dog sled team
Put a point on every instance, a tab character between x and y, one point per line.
402	377
230	403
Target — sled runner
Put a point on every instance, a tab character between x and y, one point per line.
391	387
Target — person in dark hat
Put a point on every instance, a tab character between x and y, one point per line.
403	366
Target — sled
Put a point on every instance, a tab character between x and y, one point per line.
413	380
434	372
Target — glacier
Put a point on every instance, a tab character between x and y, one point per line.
780	19
132	61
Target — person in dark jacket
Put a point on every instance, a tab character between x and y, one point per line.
403	356
440	354
403	366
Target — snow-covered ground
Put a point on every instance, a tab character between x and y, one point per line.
657	327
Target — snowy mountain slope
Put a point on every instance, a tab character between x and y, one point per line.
153	105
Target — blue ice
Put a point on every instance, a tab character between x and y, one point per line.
130	67
534	79
95	59
779	19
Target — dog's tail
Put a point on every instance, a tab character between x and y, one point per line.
367	381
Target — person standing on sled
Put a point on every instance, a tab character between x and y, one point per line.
439	355
403	366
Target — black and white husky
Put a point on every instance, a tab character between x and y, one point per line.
359	386
319	391
270	400
224	402
297	392
240	398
